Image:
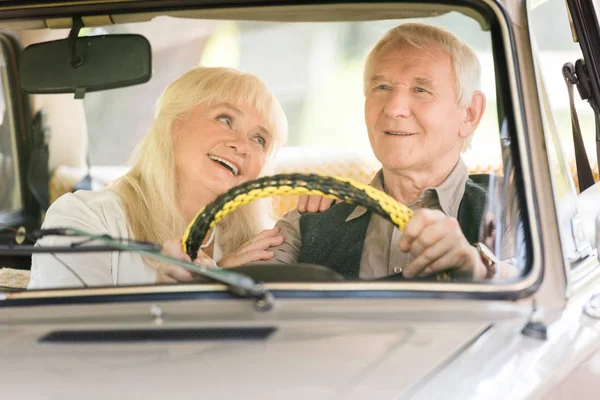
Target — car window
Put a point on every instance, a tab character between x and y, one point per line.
315	69
10	187
555	47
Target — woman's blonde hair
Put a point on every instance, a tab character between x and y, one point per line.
148	191
467	68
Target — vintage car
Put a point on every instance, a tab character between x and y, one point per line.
302	331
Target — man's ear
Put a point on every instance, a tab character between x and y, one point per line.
473	115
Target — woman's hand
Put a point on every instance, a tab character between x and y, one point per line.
254	249
313	203
169	273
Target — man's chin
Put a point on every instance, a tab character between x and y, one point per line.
398	157
399	163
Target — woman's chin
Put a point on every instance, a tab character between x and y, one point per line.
225	185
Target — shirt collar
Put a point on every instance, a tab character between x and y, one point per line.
449	193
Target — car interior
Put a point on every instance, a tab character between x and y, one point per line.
310	56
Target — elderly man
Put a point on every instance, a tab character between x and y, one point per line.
422	104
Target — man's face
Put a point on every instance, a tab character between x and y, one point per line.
412	112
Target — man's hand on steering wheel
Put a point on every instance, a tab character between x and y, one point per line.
313	203
437	243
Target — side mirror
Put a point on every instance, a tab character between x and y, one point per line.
85	64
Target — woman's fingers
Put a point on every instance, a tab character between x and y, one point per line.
254	249
203	259
260	238
179	274
169	273
264	234
245	257
172	248
261	244
249	257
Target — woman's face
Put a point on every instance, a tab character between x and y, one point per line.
218	146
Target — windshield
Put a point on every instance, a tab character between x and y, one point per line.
403	117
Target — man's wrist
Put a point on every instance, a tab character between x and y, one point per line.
487	259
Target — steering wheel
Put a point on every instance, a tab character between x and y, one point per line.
292	184
343	189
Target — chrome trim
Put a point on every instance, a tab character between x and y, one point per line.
485	288
583	273
536	268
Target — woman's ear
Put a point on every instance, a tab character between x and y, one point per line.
473	115
177	126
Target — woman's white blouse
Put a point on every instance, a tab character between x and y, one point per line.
98	213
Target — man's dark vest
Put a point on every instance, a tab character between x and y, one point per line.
327	239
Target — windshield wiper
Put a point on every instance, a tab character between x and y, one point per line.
239	284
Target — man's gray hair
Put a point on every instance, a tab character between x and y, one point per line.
466	65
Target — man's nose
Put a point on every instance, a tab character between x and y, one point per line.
398	105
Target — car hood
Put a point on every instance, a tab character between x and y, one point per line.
304	357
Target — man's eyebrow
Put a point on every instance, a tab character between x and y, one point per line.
424	81
377	78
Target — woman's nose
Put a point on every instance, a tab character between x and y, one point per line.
240	146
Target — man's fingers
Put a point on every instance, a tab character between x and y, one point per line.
420	224
302	202
425	259
419	221
434	233
445	254
314	202
325	203
442	263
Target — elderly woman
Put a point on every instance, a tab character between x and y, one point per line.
215	128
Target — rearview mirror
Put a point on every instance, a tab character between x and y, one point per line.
86	64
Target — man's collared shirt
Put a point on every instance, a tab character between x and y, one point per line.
381	255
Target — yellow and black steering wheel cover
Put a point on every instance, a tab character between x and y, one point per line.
343	189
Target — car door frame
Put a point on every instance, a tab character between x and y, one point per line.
19	111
